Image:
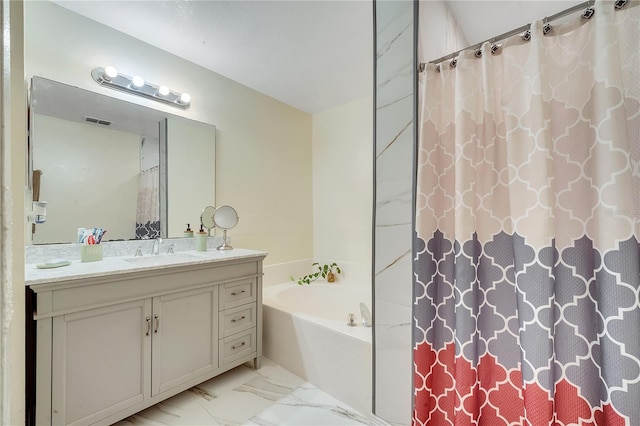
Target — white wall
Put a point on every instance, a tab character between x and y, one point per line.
188	190
263	147
438	32
12	214
79	181
342	187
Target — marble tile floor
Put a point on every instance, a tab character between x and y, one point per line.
244	396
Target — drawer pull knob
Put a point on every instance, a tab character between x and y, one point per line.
148	325
237	293
237	346
238	319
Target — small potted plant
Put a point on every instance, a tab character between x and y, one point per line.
327	271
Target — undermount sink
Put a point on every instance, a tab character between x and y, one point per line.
162	259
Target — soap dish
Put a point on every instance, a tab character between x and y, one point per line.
53	264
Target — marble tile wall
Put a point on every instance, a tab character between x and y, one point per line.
394	159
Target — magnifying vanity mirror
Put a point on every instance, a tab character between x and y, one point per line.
100	161
225	217
206	218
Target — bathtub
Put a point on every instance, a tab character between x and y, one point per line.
305	331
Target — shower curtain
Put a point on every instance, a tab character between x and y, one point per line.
148	212
527	253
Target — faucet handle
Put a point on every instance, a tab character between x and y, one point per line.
352	320
138	251
171	249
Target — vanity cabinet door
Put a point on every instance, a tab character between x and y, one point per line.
185	337
100	362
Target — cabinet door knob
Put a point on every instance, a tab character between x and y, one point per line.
238	319
157	318
148	325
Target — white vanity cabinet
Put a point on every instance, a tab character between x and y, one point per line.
183	332
107	345
237	321
110	346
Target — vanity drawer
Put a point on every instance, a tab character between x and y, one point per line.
235	320
237	293
237	346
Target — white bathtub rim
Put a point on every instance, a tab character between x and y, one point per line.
359	332
353	274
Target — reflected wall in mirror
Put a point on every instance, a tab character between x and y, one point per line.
104	162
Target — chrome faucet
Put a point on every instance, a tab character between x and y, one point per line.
366	315
155	248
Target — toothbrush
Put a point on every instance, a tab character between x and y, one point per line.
86	234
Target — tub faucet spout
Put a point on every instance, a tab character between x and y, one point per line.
366	315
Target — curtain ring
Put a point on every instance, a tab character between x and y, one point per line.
438	68
494	48
546	29
588	13
620	4
453	63
526	36
478	53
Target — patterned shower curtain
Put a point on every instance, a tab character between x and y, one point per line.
148	212
527	253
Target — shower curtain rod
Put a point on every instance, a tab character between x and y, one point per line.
521	29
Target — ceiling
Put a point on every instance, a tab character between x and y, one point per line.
320	50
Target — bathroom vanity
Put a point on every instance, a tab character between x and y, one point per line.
117	336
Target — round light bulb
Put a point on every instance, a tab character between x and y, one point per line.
137	81
185	98
110	72
163	90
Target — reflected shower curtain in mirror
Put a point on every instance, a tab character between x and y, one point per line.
148	213
527	253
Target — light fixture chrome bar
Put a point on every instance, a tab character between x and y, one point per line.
125	83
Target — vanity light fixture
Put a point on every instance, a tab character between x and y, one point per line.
137	81
110	77
110	72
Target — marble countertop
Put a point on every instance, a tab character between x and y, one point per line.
78	270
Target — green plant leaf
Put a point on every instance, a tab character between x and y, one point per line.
322	271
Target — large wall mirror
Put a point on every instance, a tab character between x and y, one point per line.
102	162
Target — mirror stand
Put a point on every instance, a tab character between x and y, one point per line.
225	218
224	245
